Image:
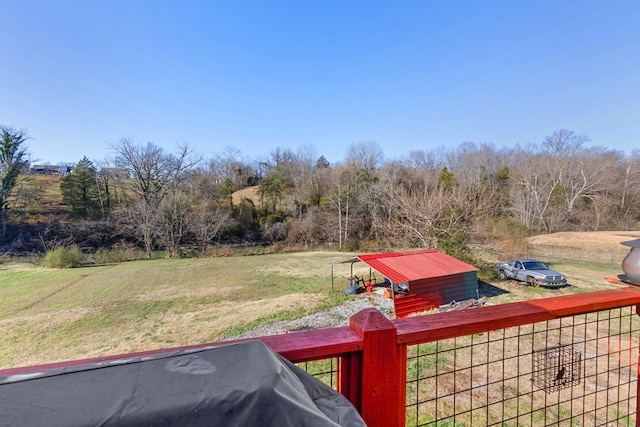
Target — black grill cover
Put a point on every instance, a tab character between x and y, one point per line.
245	384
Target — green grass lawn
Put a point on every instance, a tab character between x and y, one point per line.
50	315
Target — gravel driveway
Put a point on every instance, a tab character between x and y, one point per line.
337	316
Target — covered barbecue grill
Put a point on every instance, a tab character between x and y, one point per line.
235	384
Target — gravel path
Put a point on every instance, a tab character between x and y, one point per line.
337	316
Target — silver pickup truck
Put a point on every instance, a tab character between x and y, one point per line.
533	272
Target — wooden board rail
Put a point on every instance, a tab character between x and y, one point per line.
434	327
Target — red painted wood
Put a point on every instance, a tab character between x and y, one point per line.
296	346
407	304
382	402
433	327
350	378
316	344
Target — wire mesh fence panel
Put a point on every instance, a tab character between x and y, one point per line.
575	371
325	370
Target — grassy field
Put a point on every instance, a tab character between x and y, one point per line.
41	195
51	315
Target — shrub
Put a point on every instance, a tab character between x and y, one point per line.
118	254
64	257
486	272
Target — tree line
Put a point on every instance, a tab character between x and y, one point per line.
445	198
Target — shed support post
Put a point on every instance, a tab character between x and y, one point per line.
383	389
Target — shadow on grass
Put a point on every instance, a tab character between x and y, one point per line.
488	290
557	288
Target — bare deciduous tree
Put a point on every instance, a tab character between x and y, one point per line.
366	155
154	176
629	185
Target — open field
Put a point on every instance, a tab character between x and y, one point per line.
52	315
603	240
596	247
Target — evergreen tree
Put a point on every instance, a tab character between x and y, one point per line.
80	190
12	162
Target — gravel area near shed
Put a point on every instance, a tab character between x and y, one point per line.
337	316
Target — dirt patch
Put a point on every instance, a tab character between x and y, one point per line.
250	193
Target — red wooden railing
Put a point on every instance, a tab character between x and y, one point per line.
372	350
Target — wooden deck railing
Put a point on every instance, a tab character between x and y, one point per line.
373	353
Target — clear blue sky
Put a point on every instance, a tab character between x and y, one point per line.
257	75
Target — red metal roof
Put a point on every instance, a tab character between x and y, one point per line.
409	266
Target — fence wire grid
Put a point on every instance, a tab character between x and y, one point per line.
575	371
325	370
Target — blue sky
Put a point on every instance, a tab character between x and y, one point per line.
258	75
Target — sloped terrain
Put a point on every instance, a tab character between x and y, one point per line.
606	240
250	193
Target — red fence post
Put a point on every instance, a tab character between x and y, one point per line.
637	420
350	378
383	389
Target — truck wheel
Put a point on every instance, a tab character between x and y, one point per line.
502	275
531	282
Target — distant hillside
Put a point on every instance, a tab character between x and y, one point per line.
38	196
250	193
